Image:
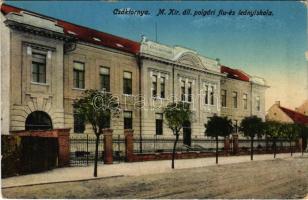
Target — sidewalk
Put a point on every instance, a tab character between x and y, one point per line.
129	169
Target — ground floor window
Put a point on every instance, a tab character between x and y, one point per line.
128	120
159	123
79	123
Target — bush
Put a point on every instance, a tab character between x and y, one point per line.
11	153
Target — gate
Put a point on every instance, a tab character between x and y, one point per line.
118	146
38	154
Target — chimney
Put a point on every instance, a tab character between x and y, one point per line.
277	103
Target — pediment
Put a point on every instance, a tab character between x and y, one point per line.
191	59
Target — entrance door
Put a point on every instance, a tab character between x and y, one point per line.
187	133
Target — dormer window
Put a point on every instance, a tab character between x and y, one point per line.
71	32
97	39
119	45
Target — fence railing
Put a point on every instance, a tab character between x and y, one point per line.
82	149
265	144
154	144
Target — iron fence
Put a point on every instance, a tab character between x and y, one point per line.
156	144
265	144
82	149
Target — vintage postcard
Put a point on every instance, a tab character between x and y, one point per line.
154	99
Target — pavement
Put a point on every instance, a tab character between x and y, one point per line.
69	174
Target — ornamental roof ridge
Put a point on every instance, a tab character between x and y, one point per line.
179	54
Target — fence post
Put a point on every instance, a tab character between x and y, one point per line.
108	159
129	144
227	144
235	143
64	146
300	144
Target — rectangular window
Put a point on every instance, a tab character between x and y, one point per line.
189	91
78	75
162	87
183	91
79	123
127	83
245	101
38	68
258	103
224	98
212	95
206	96
234	97
154	86
159	123
105	78
128	120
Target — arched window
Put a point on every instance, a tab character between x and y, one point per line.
38	120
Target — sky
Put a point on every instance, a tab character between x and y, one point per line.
271	47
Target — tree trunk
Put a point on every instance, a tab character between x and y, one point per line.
291	147
174	147
302	146
216	149
96	155
274	148
251	148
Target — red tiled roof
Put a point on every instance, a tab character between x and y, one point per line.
297	117
234	73
86	34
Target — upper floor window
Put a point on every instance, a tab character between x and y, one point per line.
212	95
128	120
159	123
206	97
234	97
183	90
79	75
38	68
162	87
127	83
258	103
224	98
154	86
189	91
245	101
104	74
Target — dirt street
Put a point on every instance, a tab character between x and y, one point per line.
280	178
